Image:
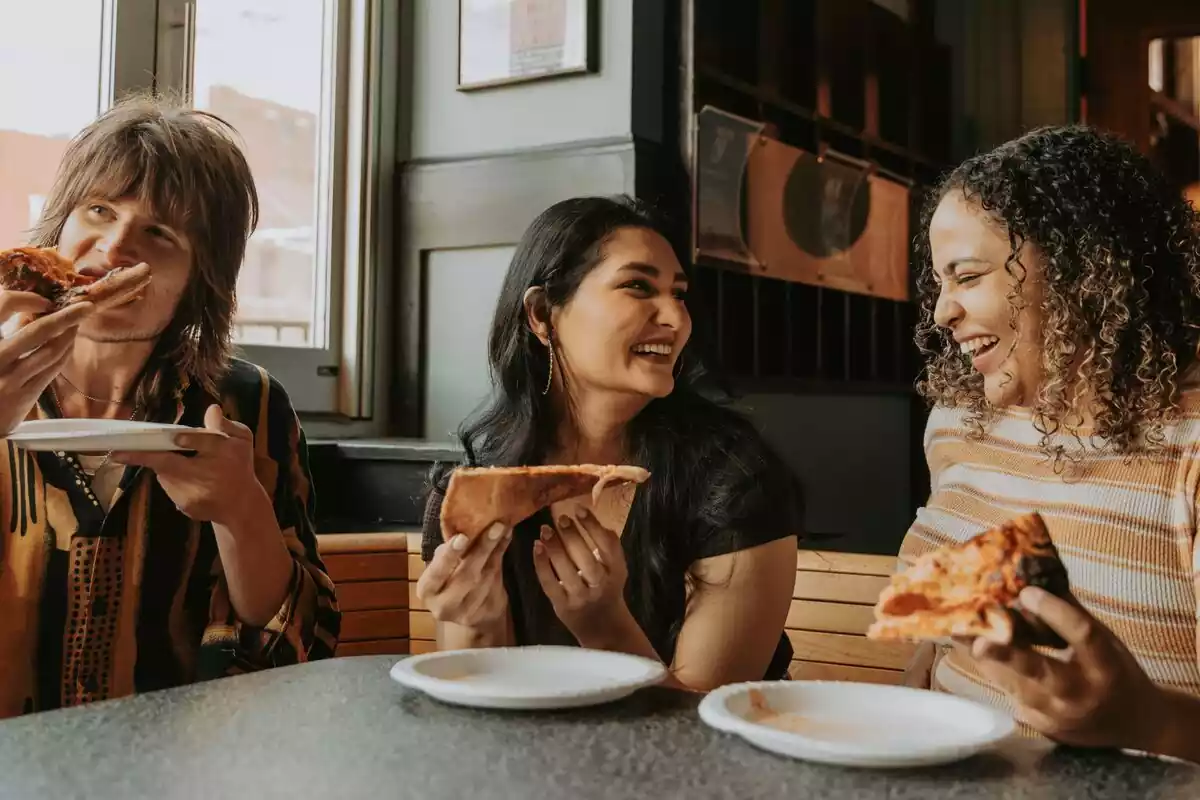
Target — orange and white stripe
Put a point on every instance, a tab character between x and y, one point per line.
1125	528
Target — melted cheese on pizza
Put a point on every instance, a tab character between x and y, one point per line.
964	589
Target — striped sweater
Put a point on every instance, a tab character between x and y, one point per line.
1126	531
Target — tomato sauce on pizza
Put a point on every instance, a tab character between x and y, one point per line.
971	589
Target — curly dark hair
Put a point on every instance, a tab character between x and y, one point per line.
1119	255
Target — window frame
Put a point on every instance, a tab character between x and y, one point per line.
149	45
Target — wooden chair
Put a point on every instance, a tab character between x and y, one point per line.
370	571
831	610
421	625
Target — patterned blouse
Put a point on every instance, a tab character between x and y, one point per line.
97	605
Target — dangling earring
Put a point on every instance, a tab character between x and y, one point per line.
550	371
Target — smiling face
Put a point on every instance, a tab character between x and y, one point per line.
104	234
625	327
978	295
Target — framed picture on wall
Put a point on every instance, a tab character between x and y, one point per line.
511	41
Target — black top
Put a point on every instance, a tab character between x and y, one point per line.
735	494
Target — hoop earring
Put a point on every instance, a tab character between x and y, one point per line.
550	371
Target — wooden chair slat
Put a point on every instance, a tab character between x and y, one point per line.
419	646
838	588
854	651
361	626
816	615
377	647
382	541
816	671
422	625
348	567
848	563
372	595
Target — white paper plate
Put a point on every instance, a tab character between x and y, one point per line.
99	435
859	724
527	678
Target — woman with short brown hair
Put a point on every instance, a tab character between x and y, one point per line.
125	572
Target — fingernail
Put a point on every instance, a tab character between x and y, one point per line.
496	531
459	542
539	548
564	522
547	533
583	513
596	554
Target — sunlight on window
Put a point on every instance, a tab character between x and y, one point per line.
273	98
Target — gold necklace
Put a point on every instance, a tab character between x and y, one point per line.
58	407
82	393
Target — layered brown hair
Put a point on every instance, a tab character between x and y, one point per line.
188	167
1119	256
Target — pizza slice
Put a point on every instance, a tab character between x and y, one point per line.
477	497
44	271
971	589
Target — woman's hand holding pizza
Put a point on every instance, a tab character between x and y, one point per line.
1094	694
463	583
33	356
584	581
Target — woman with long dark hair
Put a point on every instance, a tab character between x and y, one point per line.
1060	296
589	359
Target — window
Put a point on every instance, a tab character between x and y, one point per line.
306	85
40	112
311	87
276	105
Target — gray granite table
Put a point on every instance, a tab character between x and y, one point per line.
342	729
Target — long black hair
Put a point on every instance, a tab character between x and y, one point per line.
709	467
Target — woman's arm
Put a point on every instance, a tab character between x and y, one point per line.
306	622
736	614
1095	694
1177	729
463	585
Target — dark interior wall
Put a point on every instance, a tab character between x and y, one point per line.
859	452
854	456
480	165
1014	67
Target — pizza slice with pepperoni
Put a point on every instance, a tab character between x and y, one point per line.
971	589
46	272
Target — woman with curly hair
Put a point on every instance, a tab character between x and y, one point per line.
1060	296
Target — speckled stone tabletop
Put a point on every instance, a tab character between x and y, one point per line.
343	729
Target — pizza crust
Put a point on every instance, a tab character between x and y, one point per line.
971	589
477	497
